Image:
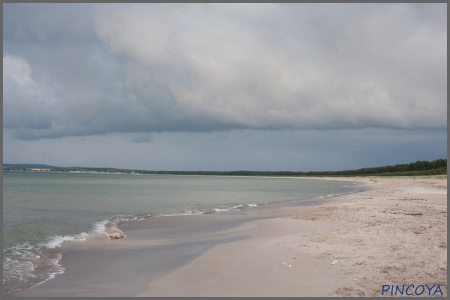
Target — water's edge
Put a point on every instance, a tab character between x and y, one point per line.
46	262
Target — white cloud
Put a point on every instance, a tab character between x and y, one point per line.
214	67
203	67
26	103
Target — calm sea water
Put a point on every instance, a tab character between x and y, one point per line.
42	210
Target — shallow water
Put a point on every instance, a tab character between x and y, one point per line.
41	210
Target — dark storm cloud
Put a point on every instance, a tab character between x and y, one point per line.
84	69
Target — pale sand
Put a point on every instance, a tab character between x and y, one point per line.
152	248
394	233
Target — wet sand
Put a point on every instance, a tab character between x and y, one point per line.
393	233
152	248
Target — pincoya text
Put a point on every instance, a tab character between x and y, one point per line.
410	290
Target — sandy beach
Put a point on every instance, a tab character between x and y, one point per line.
393	233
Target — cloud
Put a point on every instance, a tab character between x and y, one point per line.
295	150
140	68
141	138
26	103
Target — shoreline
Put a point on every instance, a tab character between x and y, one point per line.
348	245
47	262
283	249
325	177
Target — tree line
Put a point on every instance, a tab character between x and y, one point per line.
436	167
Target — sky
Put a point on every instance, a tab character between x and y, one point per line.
296	87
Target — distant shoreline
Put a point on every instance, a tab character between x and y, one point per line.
418	168
324	177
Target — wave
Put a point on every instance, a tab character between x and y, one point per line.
26	265
238	207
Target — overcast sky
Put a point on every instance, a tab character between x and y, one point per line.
224	86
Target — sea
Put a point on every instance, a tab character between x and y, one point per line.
42	210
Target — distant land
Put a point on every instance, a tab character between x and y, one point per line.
418	168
